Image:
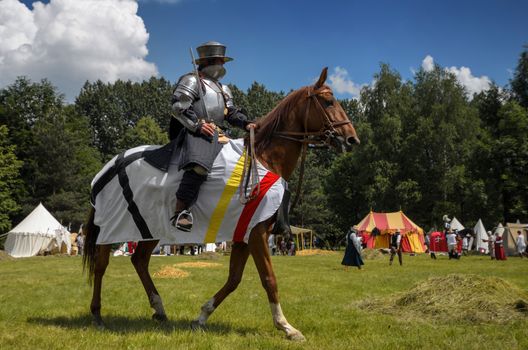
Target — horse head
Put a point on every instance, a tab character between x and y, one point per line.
326	116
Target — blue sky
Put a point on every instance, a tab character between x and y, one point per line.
284	44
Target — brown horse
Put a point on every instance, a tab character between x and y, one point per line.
310	115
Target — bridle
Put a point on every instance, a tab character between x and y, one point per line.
325	137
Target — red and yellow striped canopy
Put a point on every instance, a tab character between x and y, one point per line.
388	223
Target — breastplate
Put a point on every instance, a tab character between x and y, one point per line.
213	101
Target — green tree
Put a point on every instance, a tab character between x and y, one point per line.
371	177
511	154
114	108
146	132
519	83
312	208
65	164
440	138
9	180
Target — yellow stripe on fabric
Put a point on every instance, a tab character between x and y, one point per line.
395	220
221	208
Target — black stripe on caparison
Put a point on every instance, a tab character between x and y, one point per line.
129	197
121	161
119	169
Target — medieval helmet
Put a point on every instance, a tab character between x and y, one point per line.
211	49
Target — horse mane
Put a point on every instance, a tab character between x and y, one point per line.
270	123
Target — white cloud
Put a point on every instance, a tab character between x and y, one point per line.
473	84
428	63
71	41
341	83
463	75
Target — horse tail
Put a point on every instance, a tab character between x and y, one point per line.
90	247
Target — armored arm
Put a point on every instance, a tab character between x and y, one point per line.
185	94
235	116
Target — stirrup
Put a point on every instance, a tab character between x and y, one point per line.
184	214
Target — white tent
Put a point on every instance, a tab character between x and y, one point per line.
39	231
499	230
480	233
456	225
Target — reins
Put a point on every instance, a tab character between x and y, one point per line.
250	162
319	138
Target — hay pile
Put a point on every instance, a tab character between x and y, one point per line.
371	254
4	256
168	271
452	298
198	264
306	252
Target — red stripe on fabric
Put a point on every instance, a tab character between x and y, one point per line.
250	208
381	221
407	223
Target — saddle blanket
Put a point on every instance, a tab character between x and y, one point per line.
134	201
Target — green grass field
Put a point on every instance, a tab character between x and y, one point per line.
44	304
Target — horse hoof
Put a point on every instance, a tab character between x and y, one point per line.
297	336
197	326
160	317
98	324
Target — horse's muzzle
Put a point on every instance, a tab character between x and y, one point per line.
352	140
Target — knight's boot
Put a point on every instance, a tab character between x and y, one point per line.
186	196
182	218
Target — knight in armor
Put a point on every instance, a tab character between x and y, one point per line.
196	124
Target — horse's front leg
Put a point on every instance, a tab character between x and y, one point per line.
258	246
237	262
140	260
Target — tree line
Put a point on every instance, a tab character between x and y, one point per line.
428	148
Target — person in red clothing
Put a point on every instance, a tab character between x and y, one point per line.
499	248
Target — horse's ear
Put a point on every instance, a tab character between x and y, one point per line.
322	78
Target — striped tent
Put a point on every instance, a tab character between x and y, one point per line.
387	224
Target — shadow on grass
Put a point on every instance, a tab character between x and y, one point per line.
125	325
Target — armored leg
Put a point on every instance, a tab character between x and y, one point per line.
186	196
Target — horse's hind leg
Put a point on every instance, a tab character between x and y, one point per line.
101	262
258	246
140	260
237	262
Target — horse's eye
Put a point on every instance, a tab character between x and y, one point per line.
329	103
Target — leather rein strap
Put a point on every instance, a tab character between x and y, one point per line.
250	162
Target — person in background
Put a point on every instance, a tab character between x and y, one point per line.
283	247
521	244
395	247
80	243
352	252
292	250
452	245
465	242
499	248
491	244
271	244
427	241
